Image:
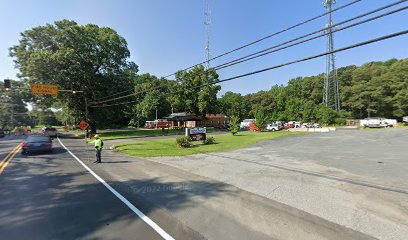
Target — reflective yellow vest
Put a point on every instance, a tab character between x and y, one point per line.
98	144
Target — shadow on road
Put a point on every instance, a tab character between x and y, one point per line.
50	199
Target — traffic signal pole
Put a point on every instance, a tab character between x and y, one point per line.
86	114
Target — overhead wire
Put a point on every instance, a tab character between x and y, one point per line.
271	35
263	52
251	43
371	41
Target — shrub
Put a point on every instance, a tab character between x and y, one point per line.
183	142
209	140
260	121
234	125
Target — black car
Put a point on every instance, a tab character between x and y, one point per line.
37	144
2	133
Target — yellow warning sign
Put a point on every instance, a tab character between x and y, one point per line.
44	89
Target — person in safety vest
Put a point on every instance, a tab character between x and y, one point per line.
98	147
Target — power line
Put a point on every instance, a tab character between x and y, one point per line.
292	62
271	35
116	94
265	52
249	44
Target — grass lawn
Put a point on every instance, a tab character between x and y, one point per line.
168	147
138	133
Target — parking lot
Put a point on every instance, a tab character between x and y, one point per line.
357	178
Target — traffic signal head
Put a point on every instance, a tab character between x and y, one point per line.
7	85
75	88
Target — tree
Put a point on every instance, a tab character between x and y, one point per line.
234	104
260	121
92	58
197	90
234	125
13	111
152	95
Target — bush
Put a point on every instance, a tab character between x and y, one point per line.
209	140
260	121
234	125
183	142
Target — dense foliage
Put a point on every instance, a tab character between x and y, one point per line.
94	60
376	89
183	142
90	58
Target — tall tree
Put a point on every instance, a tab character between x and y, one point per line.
197	90
13	111
234	104
91	58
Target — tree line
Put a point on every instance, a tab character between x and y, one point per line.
95	60
376	89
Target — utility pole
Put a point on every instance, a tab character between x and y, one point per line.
86	114
12	117
86	109
331	94
207	24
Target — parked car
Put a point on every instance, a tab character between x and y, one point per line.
50	132
287	126
222	126
36	143
272	127
310	125
2	133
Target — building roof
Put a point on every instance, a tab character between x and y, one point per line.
218	115
183	117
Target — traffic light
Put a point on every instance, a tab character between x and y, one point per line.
7	85
75	88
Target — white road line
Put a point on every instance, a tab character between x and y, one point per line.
145	218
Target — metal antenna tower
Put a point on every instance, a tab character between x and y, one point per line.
207	24
331	96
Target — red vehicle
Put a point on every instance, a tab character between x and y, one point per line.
158	124
253	128
287	126
222	126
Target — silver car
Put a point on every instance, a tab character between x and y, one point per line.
50	132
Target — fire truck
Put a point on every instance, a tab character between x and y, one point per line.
158	124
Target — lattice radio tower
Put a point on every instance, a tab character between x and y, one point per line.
207	24
331	96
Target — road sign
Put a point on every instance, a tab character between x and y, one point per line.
44	89
83	125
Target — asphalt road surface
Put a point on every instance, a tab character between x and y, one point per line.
53	196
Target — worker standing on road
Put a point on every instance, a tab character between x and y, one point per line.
98	147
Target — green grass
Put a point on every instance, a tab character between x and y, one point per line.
138	133
168	147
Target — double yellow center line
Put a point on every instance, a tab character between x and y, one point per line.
9	157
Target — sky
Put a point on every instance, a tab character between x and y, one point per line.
164	36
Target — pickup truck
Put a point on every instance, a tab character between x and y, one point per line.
272	127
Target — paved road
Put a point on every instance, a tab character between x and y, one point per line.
51	196
336	176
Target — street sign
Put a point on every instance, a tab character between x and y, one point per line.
44	89
83	125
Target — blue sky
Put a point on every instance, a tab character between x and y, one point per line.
164	36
